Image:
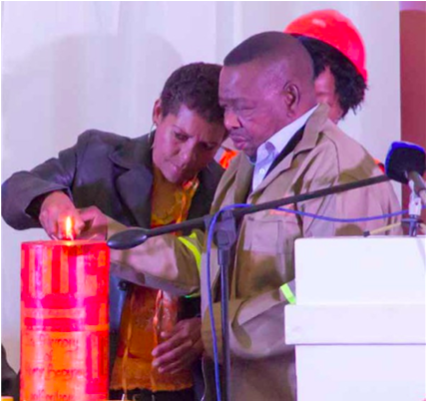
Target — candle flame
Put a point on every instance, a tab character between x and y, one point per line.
69	228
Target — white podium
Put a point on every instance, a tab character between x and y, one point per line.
359	322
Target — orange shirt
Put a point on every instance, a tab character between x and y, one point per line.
148	312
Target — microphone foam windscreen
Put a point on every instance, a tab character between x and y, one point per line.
402	158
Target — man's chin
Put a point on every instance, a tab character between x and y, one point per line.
240	145
247	150
243	146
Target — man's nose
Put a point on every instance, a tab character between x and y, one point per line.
231	120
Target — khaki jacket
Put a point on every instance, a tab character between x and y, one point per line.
262	364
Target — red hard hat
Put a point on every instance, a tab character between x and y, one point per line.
334	29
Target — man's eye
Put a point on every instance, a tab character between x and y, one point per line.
242	110
181	137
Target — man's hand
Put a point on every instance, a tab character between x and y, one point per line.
182	346
53	212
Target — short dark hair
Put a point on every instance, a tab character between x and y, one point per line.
258	46
286	57
196	86
266	45
350	85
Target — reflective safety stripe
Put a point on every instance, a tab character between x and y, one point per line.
288	293
193	248
197	255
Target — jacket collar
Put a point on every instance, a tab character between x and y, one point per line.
313	128
135	152
135	183
243	178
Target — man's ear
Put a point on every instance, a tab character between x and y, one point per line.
292	97
157	113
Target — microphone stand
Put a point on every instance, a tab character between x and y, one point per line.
414	211
413	221
225	236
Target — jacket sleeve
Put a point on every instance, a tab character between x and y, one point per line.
21	191
166	262
256	326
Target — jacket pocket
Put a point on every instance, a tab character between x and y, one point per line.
265	256
266	236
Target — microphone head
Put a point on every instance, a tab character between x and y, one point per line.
128	238
402	158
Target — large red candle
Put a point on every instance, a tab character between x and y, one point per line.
64	321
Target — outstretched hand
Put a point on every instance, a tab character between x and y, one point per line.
54	211
89	223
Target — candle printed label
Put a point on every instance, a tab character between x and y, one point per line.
37	313
64	319
64	282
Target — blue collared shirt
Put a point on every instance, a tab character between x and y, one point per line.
269	150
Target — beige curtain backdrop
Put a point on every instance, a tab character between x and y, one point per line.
70	66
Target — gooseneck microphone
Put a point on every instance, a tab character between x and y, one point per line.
404	162
407	162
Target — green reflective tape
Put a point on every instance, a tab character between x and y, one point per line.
195	295
288	293
195	251
197	255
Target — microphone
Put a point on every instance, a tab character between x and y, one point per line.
407	162
128	239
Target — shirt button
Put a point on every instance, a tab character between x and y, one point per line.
262	171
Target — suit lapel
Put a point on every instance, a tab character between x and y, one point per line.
243	180
135	183
135	188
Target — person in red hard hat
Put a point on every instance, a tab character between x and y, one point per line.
338	53
337	50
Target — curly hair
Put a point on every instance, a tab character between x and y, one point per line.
196	86
350	85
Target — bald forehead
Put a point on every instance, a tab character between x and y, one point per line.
248	78
259	74
247	73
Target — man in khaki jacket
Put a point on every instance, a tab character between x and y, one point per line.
289	147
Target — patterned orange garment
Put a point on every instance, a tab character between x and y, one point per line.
227	157
149	312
